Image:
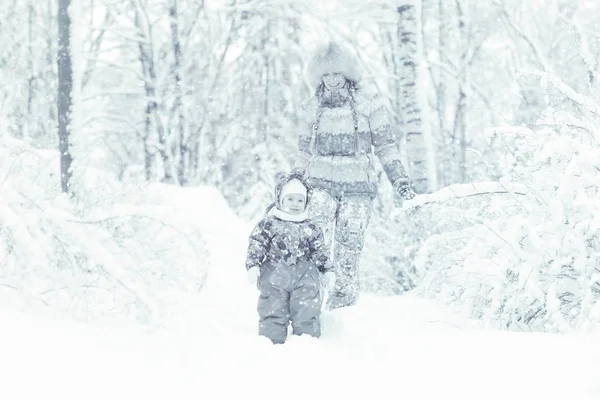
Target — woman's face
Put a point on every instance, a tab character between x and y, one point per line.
334	81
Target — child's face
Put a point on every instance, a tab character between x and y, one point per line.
293	203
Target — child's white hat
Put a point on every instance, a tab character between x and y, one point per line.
293	186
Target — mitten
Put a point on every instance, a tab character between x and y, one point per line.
329	279
403	192
253	274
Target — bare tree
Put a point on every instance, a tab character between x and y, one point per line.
459	131
177	110
153	120
94	40
65	87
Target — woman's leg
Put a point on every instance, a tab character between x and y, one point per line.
353	216
321	211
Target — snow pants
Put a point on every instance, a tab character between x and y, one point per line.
344	221
289	293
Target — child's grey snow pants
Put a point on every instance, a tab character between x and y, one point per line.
289	293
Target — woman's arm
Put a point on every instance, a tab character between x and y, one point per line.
305	135
385	145
304	149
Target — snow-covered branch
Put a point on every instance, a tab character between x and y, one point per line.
461	191
586	102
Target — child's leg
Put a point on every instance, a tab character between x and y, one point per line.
273	307
305	301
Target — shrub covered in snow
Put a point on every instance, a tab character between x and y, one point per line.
523	262
110	252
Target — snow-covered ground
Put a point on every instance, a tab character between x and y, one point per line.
401	347
384	348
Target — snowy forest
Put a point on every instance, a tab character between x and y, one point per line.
124	123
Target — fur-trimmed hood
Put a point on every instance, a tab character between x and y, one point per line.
281	179
333	57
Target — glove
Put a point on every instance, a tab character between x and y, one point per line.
403	191
329	279
253	274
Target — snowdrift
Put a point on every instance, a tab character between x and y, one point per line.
383	348
526	259
112	253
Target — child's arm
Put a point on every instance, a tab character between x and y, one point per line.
319	250
259	242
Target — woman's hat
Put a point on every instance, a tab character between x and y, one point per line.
333	58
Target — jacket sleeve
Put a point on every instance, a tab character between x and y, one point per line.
304	151
385	145
305	134
319	250
259	242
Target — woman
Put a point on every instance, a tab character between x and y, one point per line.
343	129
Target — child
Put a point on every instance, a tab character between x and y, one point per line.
286	257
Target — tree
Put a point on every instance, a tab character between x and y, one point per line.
263	92
408	99
149	73
459	140
28	71
65	86
177	110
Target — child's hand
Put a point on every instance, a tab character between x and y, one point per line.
253	274
329	278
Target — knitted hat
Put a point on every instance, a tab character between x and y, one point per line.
333	58
294	186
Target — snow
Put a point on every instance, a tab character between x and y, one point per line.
458	191
384	347
525	259
401	346
137	290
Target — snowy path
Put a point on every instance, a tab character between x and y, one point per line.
397	348
386	349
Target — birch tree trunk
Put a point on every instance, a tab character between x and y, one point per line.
25	126
65	86
441	87
418	145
